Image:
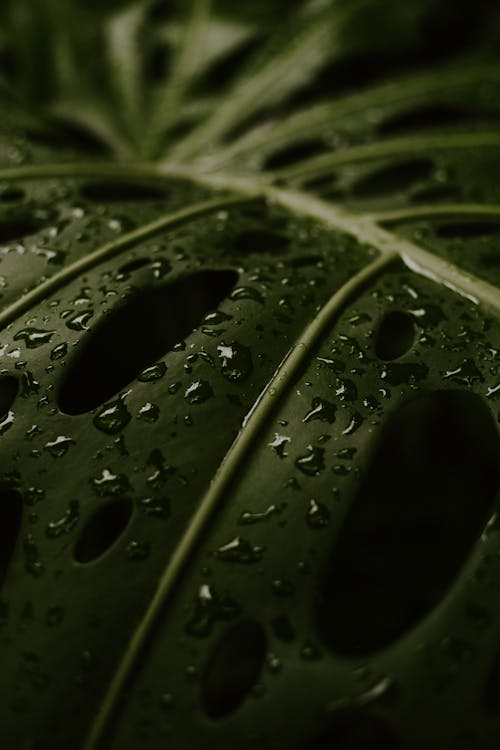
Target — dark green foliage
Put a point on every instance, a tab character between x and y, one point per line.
249	375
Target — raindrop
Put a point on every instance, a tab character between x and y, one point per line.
66	523
236	361
210	606
102	530
136	334
313	462
154	372
395	336
59	446
131	266
233	669
240	551
11	508
247	292
322	410
34	337
318	515
198	392
113	417
149	412
419	510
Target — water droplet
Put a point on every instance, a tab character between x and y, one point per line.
34	565
310	651
346	390
236	361
59	351
59	446
210	607
354	424
149	412
246	292
79	321
247	517
273	663
313	462
66	523
322	410
318	515
155	372
113	417
110	484
466	374
34	337
279	444
198	392
156	507
135	551
240	551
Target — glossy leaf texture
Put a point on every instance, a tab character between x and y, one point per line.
250	375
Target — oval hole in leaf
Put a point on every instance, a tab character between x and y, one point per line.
137	334
12	195
295	153
467	229
394	178
419	511
121	192
102	530
233	669
260	240
492	688
9	386
395	336
16	229
432	116
354	730
11	513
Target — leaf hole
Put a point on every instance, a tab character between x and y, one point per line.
122	192
16	229
434	116
395	336
355	730
11	512
12	195
9	387
233	669
297	152
467	229
421	506
102	530
137	334
393	178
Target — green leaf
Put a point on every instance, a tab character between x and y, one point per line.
249	386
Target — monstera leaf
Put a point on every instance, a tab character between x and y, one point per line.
249	391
